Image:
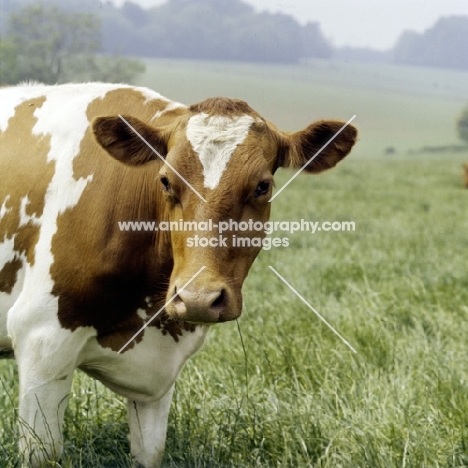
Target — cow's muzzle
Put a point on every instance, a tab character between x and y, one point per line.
203	305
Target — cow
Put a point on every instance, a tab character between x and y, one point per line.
77	289
465	175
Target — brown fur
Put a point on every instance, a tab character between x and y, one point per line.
303	145
93	289
465	175
8	275
223	107
30	153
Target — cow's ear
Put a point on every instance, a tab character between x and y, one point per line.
296	149
129	140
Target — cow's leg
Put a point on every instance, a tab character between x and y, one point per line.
42	403
148	427
46	355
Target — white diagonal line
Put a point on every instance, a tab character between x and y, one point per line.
312	309
160	157
312	158
161	309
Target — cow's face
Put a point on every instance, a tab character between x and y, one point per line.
217	180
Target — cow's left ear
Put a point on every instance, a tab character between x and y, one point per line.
295	149
122	139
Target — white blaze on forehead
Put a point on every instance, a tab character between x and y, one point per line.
215	139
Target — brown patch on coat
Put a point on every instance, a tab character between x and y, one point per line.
101	274
8	275
122	101
465	175
172	327
25	173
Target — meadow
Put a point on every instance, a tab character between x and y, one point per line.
277	388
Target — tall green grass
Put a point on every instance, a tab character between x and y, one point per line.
277	388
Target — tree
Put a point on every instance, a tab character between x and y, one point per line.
118	69
462	125
52	46
8	63
210	30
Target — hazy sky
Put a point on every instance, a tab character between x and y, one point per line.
363	23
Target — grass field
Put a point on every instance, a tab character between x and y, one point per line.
395	106
278	388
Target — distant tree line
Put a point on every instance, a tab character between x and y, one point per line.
233	30
197	29
214	30
443	45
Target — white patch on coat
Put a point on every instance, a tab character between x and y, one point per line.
7	300
142	314
170	106
7	250
24	217
3	209
11	98
215	139
134	373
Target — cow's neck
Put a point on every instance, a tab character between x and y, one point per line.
142	201
127	271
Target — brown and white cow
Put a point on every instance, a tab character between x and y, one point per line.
75	287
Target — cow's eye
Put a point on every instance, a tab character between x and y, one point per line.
262	188
165	183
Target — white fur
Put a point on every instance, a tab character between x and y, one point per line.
3	209
6	251
24	217
7	254
148	387
12	98
215	139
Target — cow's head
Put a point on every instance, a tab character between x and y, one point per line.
220	158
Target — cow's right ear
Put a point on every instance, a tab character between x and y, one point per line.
129	140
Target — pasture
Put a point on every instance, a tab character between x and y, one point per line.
277	388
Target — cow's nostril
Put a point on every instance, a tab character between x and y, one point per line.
220	301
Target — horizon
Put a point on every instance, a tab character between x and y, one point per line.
384	22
